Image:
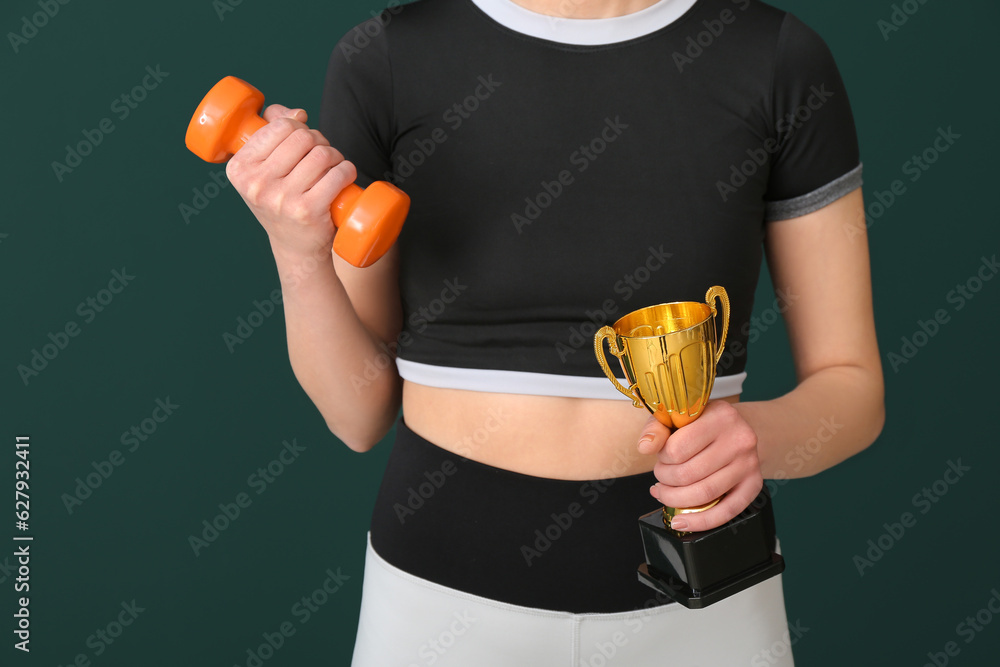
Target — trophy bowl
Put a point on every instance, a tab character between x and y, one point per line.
669	353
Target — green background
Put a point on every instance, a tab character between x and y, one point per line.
162	337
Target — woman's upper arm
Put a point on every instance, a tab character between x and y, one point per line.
821	260
374	294
356	117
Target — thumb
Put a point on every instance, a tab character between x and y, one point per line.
276	111
654	436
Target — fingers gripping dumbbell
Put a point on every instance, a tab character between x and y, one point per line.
368	220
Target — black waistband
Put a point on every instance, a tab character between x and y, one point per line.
544	543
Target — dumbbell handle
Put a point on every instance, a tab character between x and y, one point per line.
251	123
240	134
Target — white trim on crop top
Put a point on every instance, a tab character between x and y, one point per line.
585	32
535	384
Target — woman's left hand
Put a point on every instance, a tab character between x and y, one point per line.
714	455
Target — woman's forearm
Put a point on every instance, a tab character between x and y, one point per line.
348	372
831	415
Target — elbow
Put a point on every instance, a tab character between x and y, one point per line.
360	433
359	443
361	427
359	438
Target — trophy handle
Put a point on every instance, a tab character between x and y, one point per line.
720	294
609	333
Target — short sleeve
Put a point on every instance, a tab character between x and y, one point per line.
356	115
816	157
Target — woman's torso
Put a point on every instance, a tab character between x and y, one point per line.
556	187
545	436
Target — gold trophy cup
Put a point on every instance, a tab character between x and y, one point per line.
669	353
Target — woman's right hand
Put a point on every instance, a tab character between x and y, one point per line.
288	175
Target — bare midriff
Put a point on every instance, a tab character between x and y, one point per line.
545	436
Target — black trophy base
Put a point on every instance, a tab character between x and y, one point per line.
700	569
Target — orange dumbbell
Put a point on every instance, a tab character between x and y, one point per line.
368	220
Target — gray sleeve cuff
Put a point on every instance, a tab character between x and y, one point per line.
815	200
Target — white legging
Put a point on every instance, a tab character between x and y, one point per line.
407	621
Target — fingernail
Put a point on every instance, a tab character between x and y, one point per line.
646	439
679	524
652	490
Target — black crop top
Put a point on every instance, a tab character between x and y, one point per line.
559	184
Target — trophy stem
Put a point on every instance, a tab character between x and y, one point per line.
670	512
